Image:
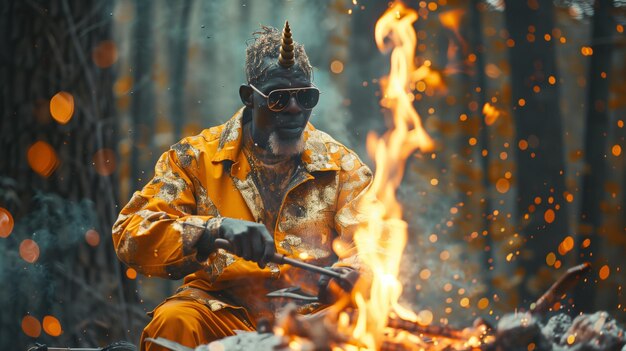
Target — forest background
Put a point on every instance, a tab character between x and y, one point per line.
526	102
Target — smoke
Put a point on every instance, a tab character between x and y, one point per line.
437	273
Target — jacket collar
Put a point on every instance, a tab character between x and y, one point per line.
315	158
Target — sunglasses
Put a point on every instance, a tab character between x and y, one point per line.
278	99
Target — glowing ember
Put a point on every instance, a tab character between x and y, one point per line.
566	245
549	215
62	107
491	114
604	272
6	223
52	326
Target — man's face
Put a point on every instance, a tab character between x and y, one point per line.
281	131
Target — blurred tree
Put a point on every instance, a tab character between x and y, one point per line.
540	163
596	133
178	41
58	140
363	98
476	9
142	109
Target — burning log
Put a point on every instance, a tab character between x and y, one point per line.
428	330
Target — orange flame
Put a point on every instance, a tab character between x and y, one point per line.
491	114
380	243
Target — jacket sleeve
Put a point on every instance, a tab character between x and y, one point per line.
157	232
353	194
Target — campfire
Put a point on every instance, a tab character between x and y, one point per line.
372	318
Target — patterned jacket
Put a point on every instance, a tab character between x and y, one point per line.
207	176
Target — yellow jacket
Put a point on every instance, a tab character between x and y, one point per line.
208	175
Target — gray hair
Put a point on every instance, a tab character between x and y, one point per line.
266	43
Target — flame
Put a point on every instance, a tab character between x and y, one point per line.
380	243
491	114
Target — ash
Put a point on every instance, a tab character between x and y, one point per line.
587	332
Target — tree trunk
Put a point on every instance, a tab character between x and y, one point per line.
479	80
364	98
177	59
142	103
540	167
596	133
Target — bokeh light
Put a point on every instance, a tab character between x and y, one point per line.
503	185
62	107
105	162
131	273
31	326
92	237
123	85
105	54
483	303
52	326
566	245
29	251
6	223
604	272
425	317
336	66
42	158
549	215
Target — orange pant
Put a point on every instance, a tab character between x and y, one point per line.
191	323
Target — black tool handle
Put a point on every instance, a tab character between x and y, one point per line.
281	259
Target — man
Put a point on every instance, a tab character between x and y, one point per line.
266	181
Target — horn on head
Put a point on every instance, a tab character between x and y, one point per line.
286	56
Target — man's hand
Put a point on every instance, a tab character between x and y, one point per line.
331	289
249	240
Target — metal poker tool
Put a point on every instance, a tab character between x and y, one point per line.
293	292
282	259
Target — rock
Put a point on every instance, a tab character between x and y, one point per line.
556	327
516	332
594	332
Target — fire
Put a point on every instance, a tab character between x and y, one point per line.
491	114
381	242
